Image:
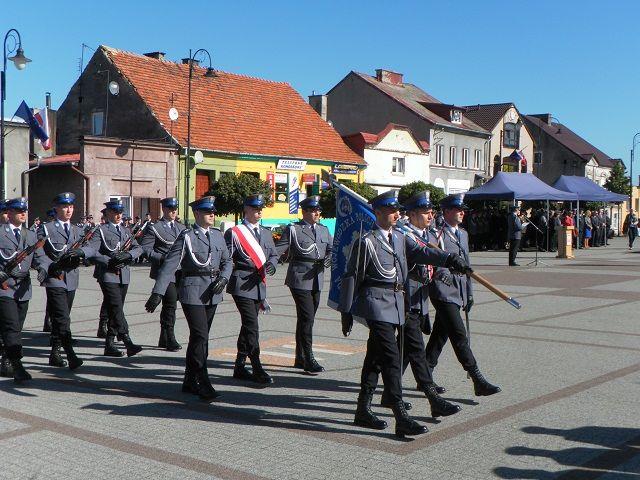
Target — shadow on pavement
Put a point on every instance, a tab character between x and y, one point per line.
606	449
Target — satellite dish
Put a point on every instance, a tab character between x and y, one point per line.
198	157
114	88
173	114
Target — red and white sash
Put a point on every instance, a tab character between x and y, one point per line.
251	247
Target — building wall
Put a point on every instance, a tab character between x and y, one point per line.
597	173
16	151
128	116
48	181
500	151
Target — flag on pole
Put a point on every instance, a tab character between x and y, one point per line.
354	216
24	112
518	156
43	120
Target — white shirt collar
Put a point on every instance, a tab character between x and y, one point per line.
253	226
452	229
201	229
13	227
116	224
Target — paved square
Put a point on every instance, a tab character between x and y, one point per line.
568	364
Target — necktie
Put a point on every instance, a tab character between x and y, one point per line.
118	229
425	234
391	239
173	227
256	232
66	229
16	232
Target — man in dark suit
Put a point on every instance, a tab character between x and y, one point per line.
156	242
450	292
514	232
254	257
308	245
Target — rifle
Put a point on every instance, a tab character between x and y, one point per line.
135	234
19	257
81	242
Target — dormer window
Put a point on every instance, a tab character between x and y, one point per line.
456	116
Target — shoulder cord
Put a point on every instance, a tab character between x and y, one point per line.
187	241
153	228
104	242
46	232
392	273
293	237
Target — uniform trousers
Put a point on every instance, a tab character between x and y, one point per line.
104	311
59	303
249	337
169	304
382	356
199	318
12	317
114	297
514	245
448	325
307	302
632	232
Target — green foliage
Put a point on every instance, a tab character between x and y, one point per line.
231	190
328	197
410	189
618	182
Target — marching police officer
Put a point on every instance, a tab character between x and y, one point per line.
61	264
156	242
113	274
203	258
309	245
14	300
449	294
5	364
372	292
420	212
254	257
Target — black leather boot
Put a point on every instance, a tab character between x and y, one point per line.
311	365
439	390
387	403
6	370
439	406
132	348
67	344
46	327
19	373
364	416
103	329
110	349
162	341
481	386
172	343
259	375
55	359
206	392
240	371
190	382
405	425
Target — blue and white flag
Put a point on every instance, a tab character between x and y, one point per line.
354	216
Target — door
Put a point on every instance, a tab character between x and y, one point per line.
202	183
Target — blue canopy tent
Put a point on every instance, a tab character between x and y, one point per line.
587	190
518	186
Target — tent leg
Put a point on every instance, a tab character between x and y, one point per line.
548	220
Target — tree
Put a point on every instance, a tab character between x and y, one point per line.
618	182
328	197
231	190
410	189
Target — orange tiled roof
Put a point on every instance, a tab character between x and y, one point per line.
232	113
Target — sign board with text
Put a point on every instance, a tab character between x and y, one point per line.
288	164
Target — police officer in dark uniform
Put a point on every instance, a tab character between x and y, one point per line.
203	258
420	212
372	291
249	243
113	275
156	242
449	294
14	301
309	245
61	264
5	365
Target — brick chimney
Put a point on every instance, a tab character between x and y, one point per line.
156	55
196	63
387	76
545	117
319	104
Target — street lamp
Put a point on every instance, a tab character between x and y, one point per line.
633	148
20	61
187	162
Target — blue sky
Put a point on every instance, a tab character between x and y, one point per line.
579	60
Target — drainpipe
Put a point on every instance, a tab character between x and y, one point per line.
87	185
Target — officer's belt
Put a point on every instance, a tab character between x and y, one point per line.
318	262
246	268
395	286
201	273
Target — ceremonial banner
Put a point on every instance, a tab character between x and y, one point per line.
354	216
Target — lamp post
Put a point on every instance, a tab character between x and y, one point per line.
20	61
187	161
633	149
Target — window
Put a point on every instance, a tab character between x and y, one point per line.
224	174
465	158
282	187
252	174
397	166
476	159
511	135
439	154
456	116
452	156
97	123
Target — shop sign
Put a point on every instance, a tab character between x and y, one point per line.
344	169
288	164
